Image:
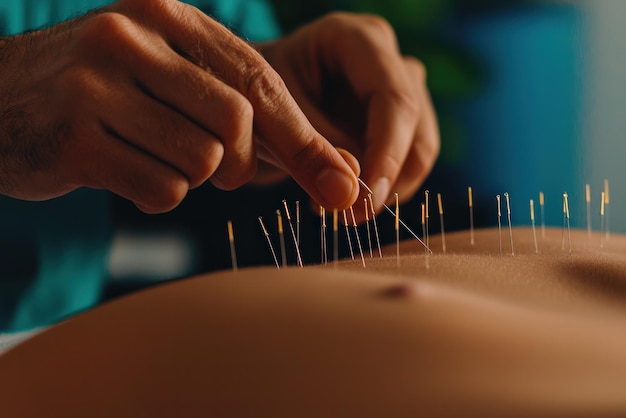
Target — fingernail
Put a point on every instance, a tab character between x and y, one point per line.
381	189
335	187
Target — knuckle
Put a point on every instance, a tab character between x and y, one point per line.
240	114
406	99
206	163
338	25
264	87
311	154
391	163
168	194
107	28
337	18
418	169
380	24
235	178
430	152
167	10
345	26
76	87
151	7
424	157
417	68
110	37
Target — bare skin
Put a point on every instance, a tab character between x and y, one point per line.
149	99
476	335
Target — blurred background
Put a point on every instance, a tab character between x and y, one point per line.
506	78
530	97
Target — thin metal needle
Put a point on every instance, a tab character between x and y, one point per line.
356	233
564	225
569	233
543	215
508	215
426	204
426	255
602	222
269	241
369	197
443	233
298	222
393	213
588	202
345	221
324	248
470	199
231	240
335	237
281	238
532	221
397	225
607	215
293	234
367	224
499	224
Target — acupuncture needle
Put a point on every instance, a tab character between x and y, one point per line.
443	233
335	237
380	252
588	202
470	199
607	214
393	214
426	256
324	249
508	215
543	215
269	241
397	226
281	237
602	222
345	222
532	222
356	233
231	240
564	224
499	224
569	234
298	222
367	225
293	233
426	203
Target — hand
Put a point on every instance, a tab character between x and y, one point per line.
148	99
347	75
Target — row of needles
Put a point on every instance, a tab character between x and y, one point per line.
370	221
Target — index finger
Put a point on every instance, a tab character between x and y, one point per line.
295	145
278	122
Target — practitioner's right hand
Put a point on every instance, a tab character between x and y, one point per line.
149	99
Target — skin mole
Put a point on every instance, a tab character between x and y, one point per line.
405	290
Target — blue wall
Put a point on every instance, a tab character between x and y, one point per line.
524	127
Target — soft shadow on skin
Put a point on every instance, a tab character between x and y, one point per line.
607	279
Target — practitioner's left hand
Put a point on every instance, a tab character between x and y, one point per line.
348	76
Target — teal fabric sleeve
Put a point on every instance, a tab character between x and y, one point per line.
53	254
252	19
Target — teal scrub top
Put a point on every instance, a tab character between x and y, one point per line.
54	254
